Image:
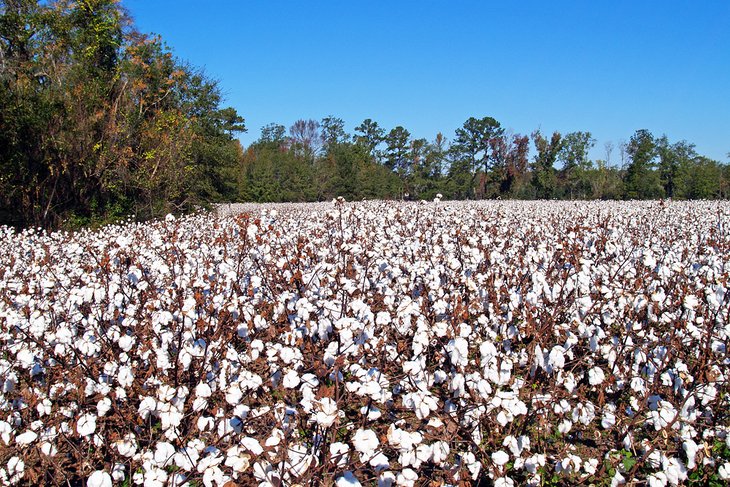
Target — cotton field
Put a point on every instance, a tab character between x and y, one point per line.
439	343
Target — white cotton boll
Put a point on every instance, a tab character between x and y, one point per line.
44	407
48	449
125	376
590	466
327	412
199	404
275	438
203	390
25	357
164	452
407	477
291	379
299	459
500	457
251	231
440	452
371	412
103	406
690	448
458	350
435	423
690	302
86	425
5	431
234	395
147	406
504	482
238	461
724	471
205	423
474	466
338	453
424	453
617	479
513	445
565	426
126	447
26	438
365	441
657	479
379	462
382	318
252	445
118	472
675	471
556	358
608	420
100	478
16	469
386	479
347	479
596	376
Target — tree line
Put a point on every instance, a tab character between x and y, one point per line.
99	121
318	160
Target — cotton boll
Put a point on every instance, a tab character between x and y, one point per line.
365	441
690	448
596	376
504	482
291	379
386	479
326	412
458	350
347	479
126	447
339	453
500	457
25	357
724	471
86	425
205	423
556	358
5	431
406	478
565	426
26	438
252	445
379	462
103	406
118	472
690	302
99	478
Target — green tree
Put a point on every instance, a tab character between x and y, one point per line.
273	133
99	120
370	135
333	132
544	177
574	156
675	164
704	180
642	181
428	161
397	151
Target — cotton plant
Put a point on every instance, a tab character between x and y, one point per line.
293	341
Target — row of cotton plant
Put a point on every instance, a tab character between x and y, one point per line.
521	343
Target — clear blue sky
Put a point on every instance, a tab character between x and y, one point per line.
608	67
